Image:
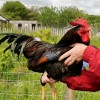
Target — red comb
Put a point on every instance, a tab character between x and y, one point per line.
80	21
84	29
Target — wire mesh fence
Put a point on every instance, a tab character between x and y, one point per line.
26	86
21	84
18	83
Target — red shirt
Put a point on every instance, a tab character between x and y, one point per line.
89	80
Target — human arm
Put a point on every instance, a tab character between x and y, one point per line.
88	80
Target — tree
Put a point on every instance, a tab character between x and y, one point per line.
34	13
66	14
52	16
15	10
48	16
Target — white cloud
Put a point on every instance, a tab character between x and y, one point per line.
37	2
89	6
1	3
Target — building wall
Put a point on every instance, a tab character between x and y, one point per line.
4	22
29	25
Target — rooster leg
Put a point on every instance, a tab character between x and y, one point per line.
43	90
53	89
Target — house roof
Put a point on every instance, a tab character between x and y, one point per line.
2	18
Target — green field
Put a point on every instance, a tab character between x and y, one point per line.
26	87
18	83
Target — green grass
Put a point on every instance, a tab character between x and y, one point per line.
95	41
27	87
18	83
87	95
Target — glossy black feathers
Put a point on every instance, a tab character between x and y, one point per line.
43	56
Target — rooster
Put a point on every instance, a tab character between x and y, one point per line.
43	56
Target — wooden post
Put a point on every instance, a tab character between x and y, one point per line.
70	94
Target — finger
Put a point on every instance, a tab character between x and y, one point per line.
73	45
69	61
48	80
65	55
45	80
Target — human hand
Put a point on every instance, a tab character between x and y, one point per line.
75	54
45	79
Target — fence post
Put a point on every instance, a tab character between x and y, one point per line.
70	94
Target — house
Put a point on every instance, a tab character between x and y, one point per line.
25	25
18	24
3	21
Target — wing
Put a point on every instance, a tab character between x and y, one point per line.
45	56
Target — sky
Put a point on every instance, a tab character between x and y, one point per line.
89	6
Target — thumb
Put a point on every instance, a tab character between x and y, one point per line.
73	45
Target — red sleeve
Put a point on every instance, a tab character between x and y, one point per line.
88	80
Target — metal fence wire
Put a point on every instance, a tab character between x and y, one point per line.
26	86
21	84
18	83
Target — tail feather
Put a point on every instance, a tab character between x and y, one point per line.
3	39
8	36
17	42
18	47
22	48
22	38
11	39
13	44
7	48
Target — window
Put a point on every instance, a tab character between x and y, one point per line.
20	26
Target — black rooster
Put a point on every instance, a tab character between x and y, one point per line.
43	56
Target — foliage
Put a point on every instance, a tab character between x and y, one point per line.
34	13
94	18
14	10
66	14
46	16
95	40
17	82
6	62
54	17
95	22
46	35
